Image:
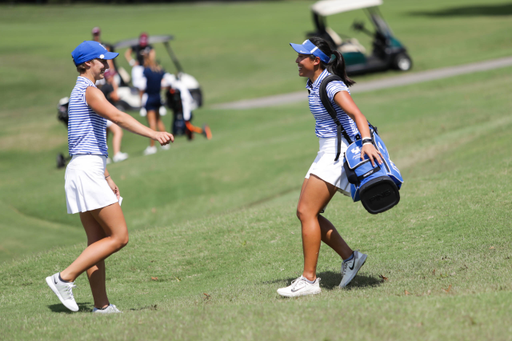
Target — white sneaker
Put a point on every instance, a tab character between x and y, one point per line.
120	157
63	290
301	287
166	147
150	150
143	112
110	309
349	269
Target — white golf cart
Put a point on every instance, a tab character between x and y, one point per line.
130	99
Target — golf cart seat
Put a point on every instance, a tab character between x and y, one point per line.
347	45
351	45
334	36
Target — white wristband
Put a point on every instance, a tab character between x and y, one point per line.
366	140
132	62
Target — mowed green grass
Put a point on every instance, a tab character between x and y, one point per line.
236	51
213	226
439	263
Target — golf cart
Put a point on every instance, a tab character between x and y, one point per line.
387	51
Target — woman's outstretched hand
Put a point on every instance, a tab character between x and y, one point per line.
372	152
163	137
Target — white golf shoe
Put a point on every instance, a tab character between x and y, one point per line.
63	290
301	287
350	268
150	150
120	157
110	309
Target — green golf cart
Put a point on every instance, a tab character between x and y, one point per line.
387	52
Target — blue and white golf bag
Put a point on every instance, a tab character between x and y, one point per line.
376	187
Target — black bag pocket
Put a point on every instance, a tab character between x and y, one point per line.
379	194
351	174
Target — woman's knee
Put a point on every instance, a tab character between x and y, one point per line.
303	213
120	241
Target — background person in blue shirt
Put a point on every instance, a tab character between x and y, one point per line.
325	177
154	74
90	190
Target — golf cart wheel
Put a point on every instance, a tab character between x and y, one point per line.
402	62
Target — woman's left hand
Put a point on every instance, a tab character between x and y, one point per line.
114	187
372	152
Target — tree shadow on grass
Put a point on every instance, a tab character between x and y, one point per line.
475	10
331	280
60	308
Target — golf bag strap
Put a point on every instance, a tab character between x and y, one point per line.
332	112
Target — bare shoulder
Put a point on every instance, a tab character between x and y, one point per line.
97	101
93	92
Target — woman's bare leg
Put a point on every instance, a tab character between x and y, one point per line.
315	195
160	124
111	220
96	273
331	237
117	136
151	116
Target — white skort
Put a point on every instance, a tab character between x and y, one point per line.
86	187
329	170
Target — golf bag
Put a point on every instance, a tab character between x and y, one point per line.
376	187
174	102
62	115
62	110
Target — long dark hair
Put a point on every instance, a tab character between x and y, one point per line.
337	63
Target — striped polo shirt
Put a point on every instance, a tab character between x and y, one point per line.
325	126
86	129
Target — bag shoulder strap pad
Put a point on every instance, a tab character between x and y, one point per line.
332	112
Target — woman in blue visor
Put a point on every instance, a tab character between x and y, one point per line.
325	177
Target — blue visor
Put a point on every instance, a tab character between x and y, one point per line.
89	50
308	47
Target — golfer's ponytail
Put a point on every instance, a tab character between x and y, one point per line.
336	65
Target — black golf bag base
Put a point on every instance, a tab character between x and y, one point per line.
178	126
379	194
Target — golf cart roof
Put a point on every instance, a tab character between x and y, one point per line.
135	41
329	7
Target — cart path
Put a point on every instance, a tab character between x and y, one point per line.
405	79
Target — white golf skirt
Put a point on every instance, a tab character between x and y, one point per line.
329	170
86	187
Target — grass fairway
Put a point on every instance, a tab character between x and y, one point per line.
444	250
212	223
236	51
